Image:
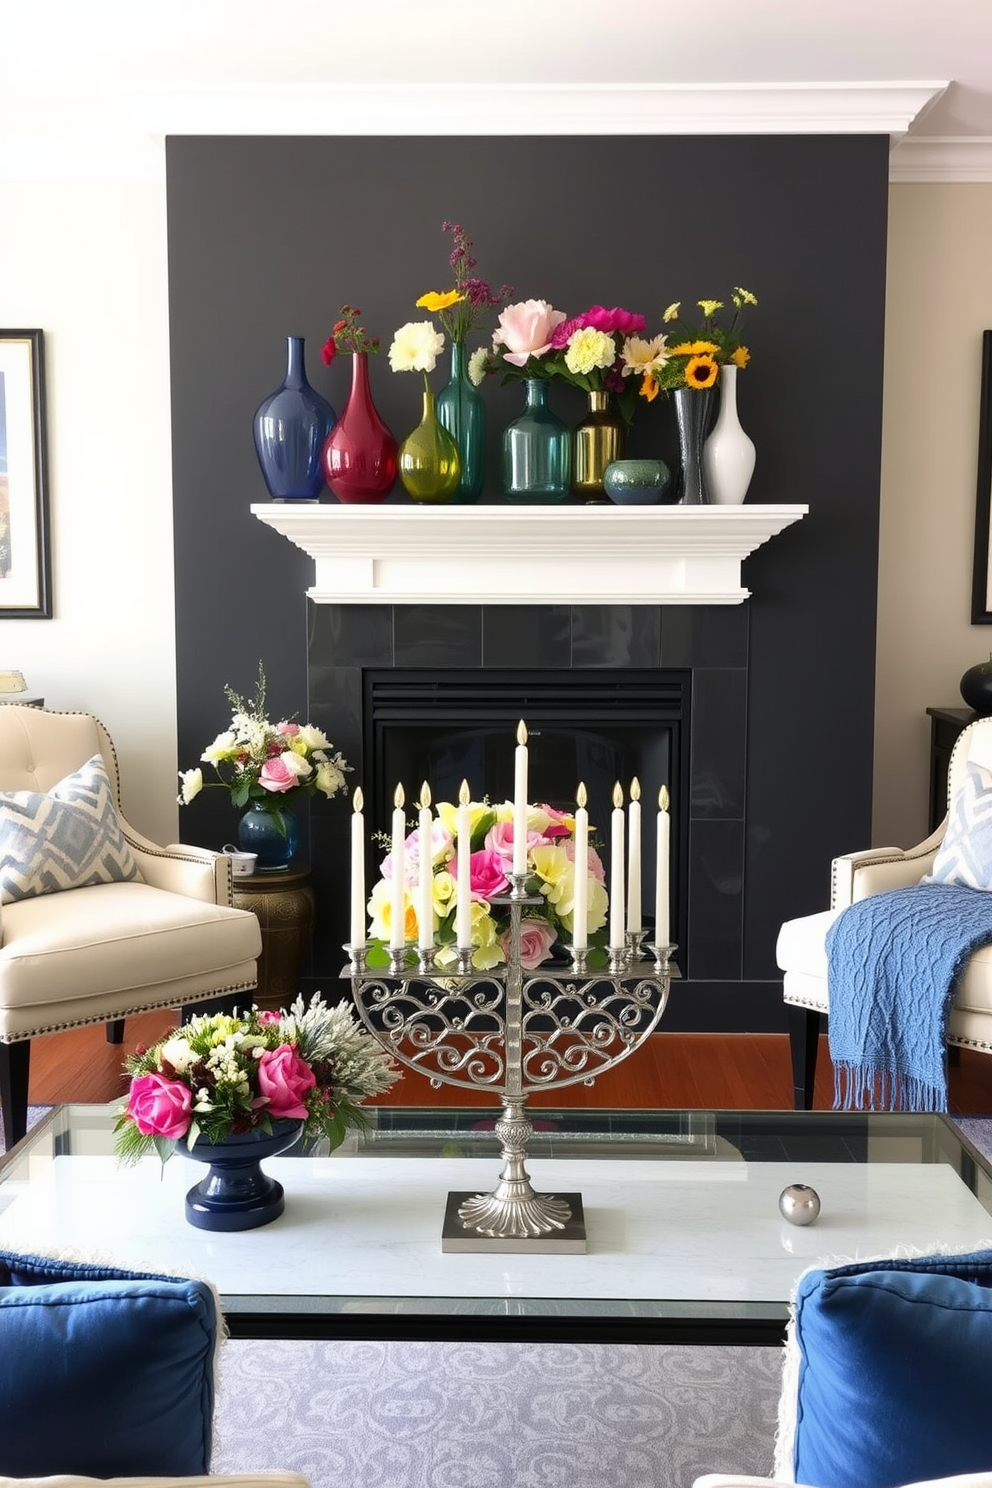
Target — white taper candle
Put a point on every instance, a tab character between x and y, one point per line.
634	857
425	880
617	907
580	912
662	932
520	800
357	937
463	911
397	924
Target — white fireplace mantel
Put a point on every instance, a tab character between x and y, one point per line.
398	554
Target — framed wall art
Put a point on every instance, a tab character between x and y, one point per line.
25	559
981	587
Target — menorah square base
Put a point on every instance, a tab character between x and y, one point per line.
569	1240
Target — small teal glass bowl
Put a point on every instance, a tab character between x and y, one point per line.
636	482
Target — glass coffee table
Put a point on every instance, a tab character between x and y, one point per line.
685	1239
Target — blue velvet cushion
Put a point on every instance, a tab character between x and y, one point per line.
894	1371
103	1372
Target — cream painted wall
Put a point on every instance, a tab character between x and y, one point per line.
86	263
938	302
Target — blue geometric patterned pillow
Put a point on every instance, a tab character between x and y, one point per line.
965	855
65	839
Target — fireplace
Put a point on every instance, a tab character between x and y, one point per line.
414	692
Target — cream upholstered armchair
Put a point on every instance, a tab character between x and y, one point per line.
96	921
801	953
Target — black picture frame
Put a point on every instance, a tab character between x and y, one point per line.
981	586
25	556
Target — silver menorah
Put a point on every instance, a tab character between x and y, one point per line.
513	1033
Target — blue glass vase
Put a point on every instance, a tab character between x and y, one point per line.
271	830
536	451
461	410
236	1194
290	428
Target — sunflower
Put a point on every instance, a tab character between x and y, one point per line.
701	371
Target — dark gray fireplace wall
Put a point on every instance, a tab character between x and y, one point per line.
268	236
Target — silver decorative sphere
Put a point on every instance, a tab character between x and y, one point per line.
799	1203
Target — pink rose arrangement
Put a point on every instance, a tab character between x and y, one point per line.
596	351
551	878
257	760
222	1075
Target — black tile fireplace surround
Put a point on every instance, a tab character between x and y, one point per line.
704	649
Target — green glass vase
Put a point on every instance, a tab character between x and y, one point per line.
461	410
430	469
536	451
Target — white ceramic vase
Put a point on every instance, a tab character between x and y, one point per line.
728	454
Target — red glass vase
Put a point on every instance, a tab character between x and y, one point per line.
359	455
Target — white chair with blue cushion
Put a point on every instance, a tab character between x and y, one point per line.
885	1377
96	922
109	1374
959	852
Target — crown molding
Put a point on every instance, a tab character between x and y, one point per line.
942	158
512	109
126	140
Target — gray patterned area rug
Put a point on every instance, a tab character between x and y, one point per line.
450	1415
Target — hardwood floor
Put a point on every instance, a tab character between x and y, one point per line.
693	1071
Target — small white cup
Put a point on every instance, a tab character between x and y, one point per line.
242	863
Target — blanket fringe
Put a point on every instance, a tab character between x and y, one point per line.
859	1087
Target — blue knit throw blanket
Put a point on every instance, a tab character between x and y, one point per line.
893	965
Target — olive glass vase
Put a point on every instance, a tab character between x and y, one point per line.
430	468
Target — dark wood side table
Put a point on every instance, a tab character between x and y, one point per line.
945	726
284	904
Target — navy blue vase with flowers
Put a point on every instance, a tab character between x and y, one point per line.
290	429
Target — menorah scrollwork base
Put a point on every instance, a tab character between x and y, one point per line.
513	1035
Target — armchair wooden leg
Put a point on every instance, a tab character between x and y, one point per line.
15	1060
804	1042
115	1031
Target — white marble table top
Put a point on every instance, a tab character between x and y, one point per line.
699	1235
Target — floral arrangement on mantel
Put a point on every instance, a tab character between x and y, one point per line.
695	357
273	763
348	336
222	1075
550	870
462	308
597	351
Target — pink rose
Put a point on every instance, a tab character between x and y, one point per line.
499	839
159	1107
268	1017
594	862
525	330
275	775
624	321
284	1078
559	824
487	874
536	940
289	729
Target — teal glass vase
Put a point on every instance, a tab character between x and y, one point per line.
536	451
462	411
271	830
429	465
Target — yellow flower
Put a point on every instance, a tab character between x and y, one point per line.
745	297
448	814
597	903
672	312
380	910
740	357
694	348
552	865
709	307
443	892
588	349
700	372
435	301
649	388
